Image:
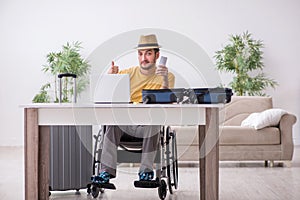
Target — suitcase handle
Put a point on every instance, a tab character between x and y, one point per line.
67	75
74	76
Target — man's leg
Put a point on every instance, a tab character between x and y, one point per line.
150	135
111	141
150	142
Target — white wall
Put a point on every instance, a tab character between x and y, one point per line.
31	29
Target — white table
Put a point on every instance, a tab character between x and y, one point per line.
38	118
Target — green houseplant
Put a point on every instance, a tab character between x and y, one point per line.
243	57
68	60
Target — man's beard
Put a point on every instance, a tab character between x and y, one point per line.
147	66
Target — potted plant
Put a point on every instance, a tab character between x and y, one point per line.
243	57
70	61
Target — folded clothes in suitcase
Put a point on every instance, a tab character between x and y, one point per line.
187	96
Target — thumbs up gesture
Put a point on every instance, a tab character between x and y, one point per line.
113	69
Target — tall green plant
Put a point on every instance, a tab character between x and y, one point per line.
240	57
68	60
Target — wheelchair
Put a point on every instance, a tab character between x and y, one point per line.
129	151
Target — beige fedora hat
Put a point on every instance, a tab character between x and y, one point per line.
148	42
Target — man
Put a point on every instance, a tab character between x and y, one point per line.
145	76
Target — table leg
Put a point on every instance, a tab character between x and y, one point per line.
43	164
31	153
36	157
209	156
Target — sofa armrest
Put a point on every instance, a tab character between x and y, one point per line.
286	133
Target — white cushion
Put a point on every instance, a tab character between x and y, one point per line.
270	117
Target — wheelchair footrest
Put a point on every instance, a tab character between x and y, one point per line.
109	186
147	184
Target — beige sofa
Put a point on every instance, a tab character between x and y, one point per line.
237	143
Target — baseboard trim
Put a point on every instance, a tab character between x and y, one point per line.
296	141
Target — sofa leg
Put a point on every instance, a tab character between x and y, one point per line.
269	165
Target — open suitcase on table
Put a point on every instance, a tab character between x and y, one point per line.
188	96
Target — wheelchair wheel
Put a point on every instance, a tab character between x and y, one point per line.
162	190
175	161
172	163
95	191
89	190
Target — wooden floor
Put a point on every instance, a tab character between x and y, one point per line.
247	180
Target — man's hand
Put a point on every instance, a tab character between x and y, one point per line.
113	69
163	71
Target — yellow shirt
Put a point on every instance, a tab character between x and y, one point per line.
139	81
